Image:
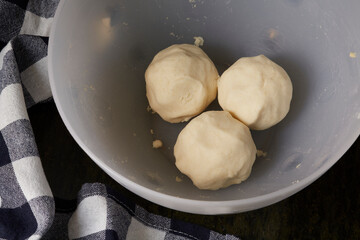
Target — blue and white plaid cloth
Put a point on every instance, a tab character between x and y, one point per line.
27	206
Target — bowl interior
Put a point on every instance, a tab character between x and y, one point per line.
99	51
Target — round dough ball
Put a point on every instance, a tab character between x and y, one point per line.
181	82
215	150
256	91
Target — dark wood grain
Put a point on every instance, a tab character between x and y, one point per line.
327	209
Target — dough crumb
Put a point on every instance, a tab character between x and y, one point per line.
260	153
352	54
157	143
149	109
106	21
199	41
273	33
151	131
134	134
178	179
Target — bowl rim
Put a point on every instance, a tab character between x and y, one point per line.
177	203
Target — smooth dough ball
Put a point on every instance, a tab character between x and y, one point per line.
215	150
181	82
256	91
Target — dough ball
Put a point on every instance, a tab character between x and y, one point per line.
256	91
215	150
181	82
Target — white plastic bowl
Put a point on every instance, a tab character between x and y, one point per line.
98	54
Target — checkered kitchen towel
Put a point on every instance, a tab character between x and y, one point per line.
27	207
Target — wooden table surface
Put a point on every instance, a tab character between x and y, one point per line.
327	209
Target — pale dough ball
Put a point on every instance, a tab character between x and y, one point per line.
215	150
256	91
181	82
